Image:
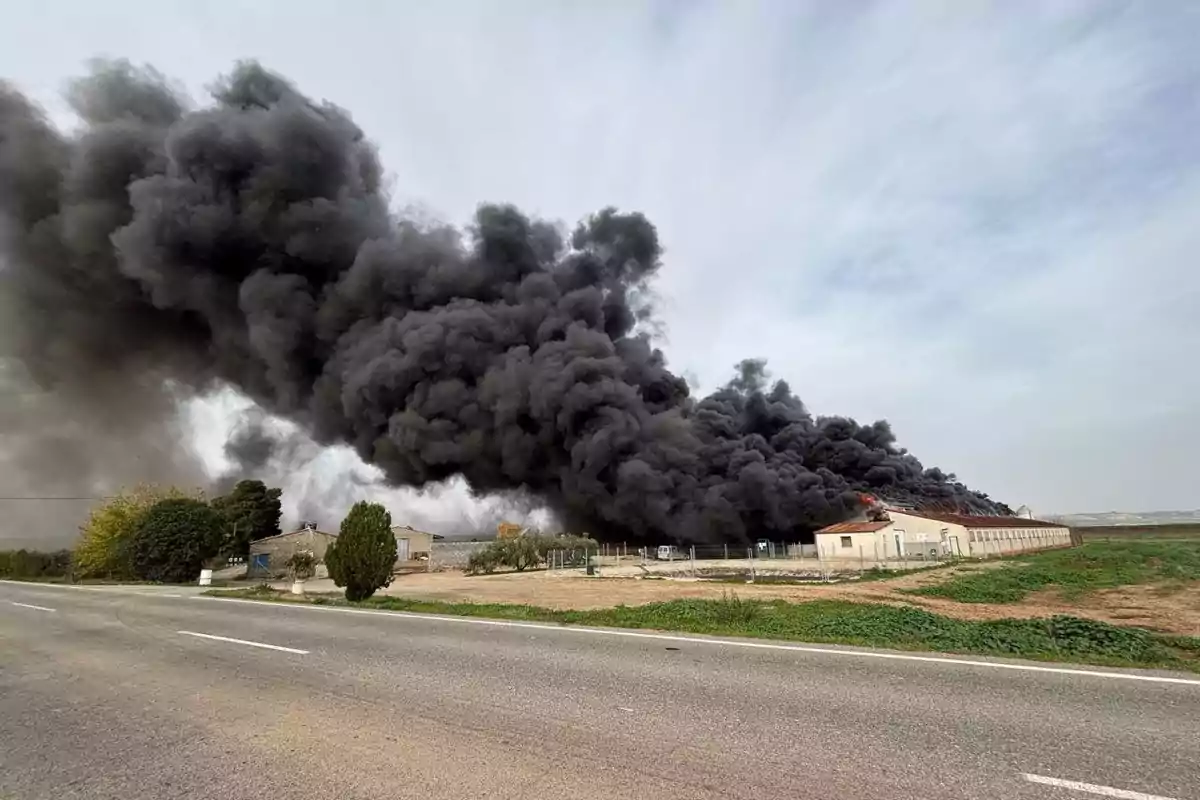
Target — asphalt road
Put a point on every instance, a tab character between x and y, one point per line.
115	694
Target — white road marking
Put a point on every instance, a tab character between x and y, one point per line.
35	608
667	637
1092	788
112	589
263	645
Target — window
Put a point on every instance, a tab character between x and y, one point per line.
847	541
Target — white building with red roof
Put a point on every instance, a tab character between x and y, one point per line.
889	533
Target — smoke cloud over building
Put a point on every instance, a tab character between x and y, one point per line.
249	243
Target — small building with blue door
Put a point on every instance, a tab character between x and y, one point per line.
269	556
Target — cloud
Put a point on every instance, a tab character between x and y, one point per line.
972	218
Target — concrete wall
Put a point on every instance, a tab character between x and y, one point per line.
279	549
453	555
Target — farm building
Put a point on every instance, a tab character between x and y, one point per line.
907	533
412	544
268	557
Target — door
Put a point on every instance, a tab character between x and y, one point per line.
402	549
260	562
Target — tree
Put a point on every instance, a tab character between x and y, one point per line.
364	555
103	547
174	539
34	564
251	511
528	550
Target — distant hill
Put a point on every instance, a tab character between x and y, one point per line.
1111	518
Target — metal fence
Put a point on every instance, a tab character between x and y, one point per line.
794	559
779	559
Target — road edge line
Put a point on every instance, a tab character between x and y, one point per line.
670	637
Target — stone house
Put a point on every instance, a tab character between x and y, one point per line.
268	557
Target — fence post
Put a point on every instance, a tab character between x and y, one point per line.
861	560
726	552
693	553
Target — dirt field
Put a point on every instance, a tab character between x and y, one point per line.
1145	606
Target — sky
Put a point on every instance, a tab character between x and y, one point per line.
977	220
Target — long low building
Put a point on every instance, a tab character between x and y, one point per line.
906	533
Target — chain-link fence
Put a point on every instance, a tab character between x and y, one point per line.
765	559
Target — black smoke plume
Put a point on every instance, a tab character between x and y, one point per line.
250	243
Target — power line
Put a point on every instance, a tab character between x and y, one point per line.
48	499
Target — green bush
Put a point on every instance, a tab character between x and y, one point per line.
531	550
363	557
485	560
103	549
34	564
174	539
302	564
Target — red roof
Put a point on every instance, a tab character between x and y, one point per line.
972	521
855	527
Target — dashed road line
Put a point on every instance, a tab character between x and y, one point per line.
246	642
30	605
1092	788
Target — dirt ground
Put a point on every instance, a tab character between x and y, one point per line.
1151	607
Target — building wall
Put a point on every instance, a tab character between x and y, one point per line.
1000	541
982	542
420	544
280	548
851	545
920	534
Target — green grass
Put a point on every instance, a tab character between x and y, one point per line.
837	622
1076	571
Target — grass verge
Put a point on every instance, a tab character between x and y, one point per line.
1094	565
835	622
